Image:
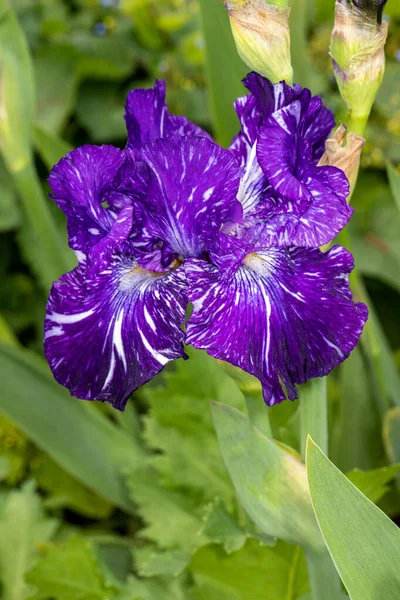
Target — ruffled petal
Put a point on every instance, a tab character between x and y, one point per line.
79	183
311	205
147	118
317	121
271	97
192	191
106	336
284	316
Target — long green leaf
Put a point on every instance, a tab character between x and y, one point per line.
80	439
225	69
364	543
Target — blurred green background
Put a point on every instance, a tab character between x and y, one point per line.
126	506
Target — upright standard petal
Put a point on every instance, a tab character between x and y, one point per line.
147	118
105	336
286	198
79	183
284	316
192	191
270	97
317	121
311	206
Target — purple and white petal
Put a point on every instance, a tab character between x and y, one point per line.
317	123
192	191
284	316
311	206
106	336
271	97
178	125
250	121
79	183
100	255
147	118
146	115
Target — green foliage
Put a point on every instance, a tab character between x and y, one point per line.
179	425
374	484
15	452
69	572
221	528
254	573
363	542
23	527
66	492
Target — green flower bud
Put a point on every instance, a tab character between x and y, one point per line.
262	36
358	55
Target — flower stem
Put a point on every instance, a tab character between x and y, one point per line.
357	123
324	579
258	413
314	414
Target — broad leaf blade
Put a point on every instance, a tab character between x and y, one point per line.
363	541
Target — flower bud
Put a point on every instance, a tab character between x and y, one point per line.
262	36
357	50
343	153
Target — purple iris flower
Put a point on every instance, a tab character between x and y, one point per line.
174	219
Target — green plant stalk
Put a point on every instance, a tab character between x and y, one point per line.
258	413
54	261
314	413
357	123
325	583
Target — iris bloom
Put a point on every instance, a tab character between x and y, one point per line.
175	219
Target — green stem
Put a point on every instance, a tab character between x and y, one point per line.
51	258
258	413
314	414
357	123
324	579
